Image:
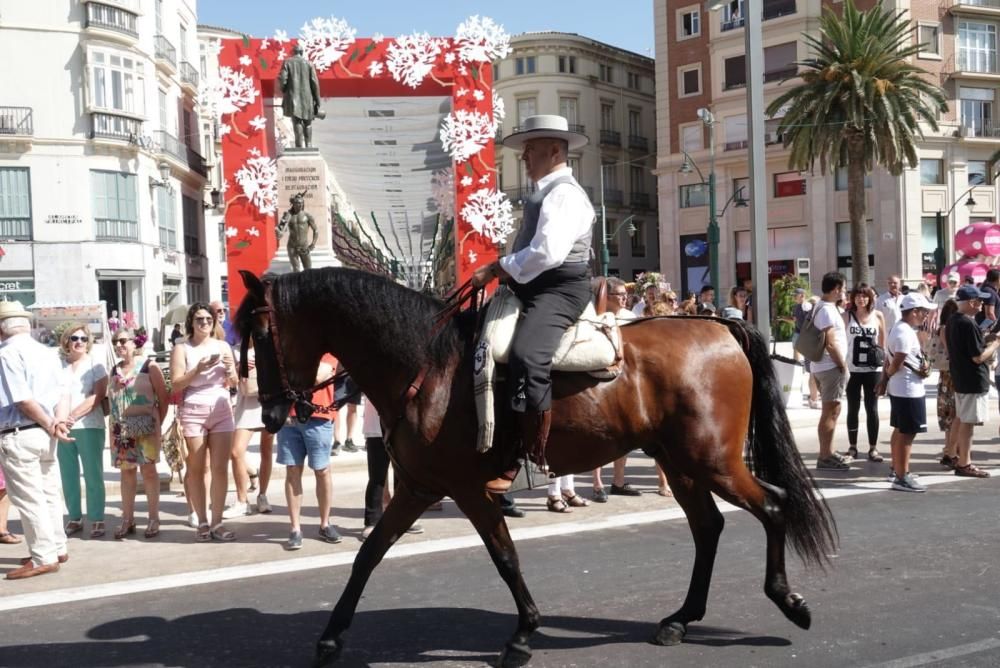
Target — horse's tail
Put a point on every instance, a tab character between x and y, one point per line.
775	459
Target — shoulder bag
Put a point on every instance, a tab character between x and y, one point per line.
812	341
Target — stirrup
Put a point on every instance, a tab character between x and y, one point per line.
502	484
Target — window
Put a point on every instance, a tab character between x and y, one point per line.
732	15
932	244
741	187
931	172
979	173
840	179
606	73
568	109
689	24
634	123
777	8
977	46
779	61
567	64
610	176
524	65
116	82
638	239
525	108
159	17
114	206
496	71
690	81
977	111
638	177
692	138
736	132
184	41
634	81
15	203
192	225
929	38
693	195
166	218
735	72
607	116
789	184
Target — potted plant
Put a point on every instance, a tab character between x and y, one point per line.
788	370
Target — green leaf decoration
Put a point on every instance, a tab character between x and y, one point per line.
246	40
371	47
242	244
352	57
468	168
263	63
475	73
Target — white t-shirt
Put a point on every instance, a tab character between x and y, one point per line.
904	383
81	384
625	314
855	329
828	315
889	306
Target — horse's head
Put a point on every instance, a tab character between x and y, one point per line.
253	319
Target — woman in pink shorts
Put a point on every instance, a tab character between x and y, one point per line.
202	367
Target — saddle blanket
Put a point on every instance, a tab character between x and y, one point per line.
593	345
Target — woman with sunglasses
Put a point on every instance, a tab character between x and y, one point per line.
202	368
138	405
88	383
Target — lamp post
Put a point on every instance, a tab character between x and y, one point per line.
605	253
939	257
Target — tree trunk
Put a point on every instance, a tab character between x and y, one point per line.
856	208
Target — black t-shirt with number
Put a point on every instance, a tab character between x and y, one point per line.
965	341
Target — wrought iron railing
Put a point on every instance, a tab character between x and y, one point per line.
638	142
113	126
639	200
112	18
164	50
171	145
732	24
611	137
16	121
613	196
189	74
110	229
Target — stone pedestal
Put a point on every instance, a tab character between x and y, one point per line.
303	169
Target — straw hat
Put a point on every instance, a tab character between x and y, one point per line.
545	126
12	310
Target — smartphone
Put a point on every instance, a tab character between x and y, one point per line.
214	359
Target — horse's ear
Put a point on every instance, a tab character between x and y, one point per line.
252	283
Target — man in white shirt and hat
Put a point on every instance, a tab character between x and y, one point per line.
548	269
34	404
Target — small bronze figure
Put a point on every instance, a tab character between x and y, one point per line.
296	221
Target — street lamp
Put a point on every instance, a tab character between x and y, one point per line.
970	203
605	238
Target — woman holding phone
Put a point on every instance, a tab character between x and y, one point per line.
202	368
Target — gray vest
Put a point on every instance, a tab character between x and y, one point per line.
533	209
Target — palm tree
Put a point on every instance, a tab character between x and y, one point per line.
859	105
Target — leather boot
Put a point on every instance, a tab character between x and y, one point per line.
534	427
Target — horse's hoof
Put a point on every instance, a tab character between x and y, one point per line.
797	611
670	633
327	652
514	655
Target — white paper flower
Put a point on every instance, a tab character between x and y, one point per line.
411	58
232	91
265	44
280	36
258	122
258	178
375	69
465	133
466	181
245	60
472	257
224	129
231	232
254	151
443	192
378	38
461	92
490	213
326	40
499	109
254	232
484	179
463	70
480	40
479	95
449	57
225	186
282	55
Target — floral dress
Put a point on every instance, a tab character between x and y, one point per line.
135	418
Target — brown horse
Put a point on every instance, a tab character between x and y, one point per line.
692	394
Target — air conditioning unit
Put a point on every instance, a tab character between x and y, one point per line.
802	269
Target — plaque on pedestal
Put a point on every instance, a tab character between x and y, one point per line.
303	171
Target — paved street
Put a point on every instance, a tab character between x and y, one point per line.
913	584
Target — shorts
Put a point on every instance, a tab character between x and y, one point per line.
247	413
199	420
971	408
908	414
832	384
296	441
347	391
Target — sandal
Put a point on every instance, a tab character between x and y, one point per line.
949	462
74	526
874	456
97	530
124	530
152	529
220	532
557	505
7	538
852	452
971	471
203	534
575	500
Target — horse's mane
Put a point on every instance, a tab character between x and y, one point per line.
400	320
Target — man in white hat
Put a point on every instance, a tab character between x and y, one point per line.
946	293
548	269
34	405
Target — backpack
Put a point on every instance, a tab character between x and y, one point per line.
812	341
867	353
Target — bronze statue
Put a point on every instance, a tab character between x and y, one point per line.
296	220
300	90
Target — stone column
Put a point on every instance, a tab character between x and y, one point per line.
303	169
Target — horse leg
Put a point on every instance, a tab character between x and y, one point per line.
706	524
485	514
401	513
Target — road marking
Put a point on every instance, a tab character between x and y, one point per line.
398	551
940	654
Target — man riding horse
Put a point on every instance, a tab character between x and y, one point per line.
548	270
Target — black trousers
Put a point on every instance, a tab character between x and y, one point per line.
378	471
855	384
552	303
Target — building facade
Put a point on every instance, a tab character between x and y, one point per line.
912	217
608	94
102	180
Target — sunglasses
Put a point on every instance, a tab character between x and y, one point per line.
619	294
120	342
204	320
79	339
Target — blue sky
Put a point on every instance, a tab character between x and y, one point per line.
627	24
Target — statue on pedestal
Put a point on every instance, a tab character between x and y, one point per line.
300	95
297	222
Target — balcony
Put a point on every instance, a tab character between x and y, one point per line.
734	85
108	229
16	121
779	75
980	130
15	229
638	142
732	24
976	65
735	145
613	197
977	7
639	200
611	138
165	53
189	76
183	154
778	8
108	18
104	125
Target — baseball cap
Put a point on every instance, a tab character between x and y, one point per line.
967	292
953	277
916	300
800	291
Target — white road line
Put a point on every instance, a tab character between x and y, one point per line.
940	654
399	551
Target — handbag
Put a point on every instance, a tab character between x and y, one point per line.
106	406
174	446
924	368
867	353
811	343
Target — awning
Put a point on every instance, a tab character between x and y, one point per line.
121	273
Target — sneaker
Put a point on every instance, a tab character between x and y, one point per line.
294	541
329	534
350	447
415	528
236	510
335	450
834	462
193	520
908	484
263	507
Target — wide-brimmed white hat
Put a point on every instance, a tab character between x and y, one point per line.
545	126
12	310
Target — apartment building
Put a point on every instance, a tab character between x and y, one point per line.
912	217
608	94
101	174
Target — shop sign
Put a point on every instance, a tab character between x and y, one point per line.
8	285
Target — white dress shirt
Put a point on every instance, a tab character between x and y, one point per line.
566	216
28	370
